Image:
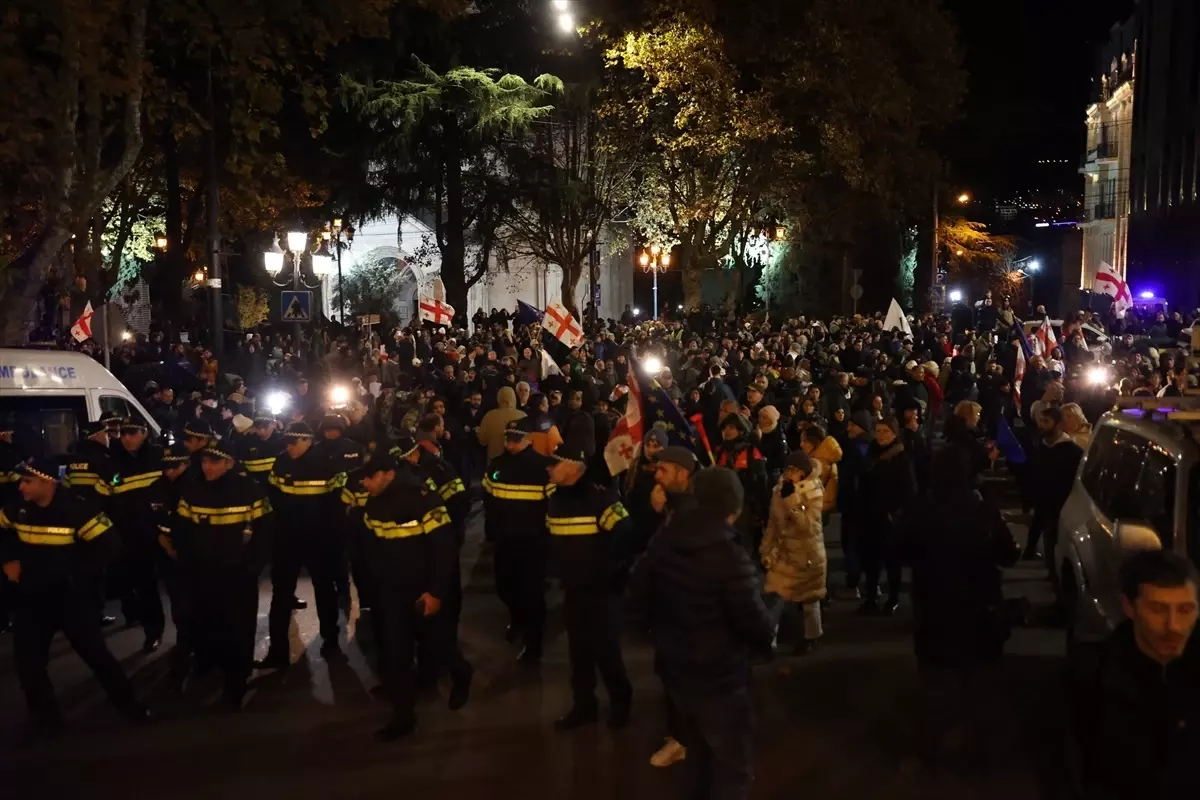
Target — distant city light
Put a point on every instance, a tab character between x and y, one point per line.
956	296
1041	225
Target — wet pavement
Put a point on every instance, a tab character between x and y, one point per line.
838	723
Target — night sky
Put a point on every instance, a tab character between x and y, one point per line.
1029	65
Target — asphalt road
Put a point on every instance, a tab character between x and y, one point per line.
838	723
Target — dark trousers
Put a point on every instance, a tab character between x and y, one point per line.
851	529
594	644
521	585
137	577
73	611
8	601
878	553
224	618
360	568
718	732
438	648
396	623
321	559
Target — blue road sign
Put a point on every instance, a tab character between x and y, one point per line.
295	306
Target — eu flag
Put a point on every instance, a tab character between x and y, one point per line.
661	409
1007	444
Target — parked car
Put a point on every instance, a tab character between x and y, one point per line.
1099	343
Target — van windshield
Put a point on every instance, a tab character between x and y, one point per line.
44	426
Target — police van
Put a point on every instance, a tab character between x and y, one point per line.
47	395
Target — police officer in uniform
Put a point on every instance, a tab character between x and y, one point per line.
515	489
10	459
583	520
221	535
258	450
53	546
412	551
164	496
139	465
440	647
305	490
112	423
347	456
92	467
197	435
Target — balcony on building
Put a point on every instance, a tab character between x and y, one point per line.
1106	151
1102	211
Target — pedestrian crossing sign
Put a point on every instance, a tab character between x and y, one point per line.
296	306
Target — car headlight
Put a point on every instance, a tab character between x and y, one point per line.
1098	376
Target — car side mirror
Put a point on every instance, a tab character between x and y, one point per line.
1134	534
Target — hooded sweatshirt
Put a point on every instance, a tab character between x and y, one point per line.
491	429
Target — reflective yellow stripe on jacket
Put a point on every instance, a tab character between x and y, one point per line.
230	515
354	499
612	515
429	523
259	464
517	491
308	488
572	526
9	477
88	480
451	488
129	483
94	527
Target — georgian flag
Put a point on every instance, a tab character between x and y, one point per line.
1110	283
561	323
626	439
436	311
1044	340
82	329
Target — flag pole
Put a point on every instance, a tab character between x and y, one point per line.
104	327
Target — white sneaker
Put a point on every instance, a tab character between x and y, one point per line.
670	753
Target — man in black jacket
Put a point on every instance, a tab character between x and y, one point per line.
1055	461
703	600
1139	723
889	487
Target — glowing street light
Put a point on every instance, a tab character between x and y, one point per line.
1034	265
561	5
566	22
956	296
657	260
964	198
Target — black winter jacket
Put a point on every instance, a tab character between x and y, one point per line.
701	595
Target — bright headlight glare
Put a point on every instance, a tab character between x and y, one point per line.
340	395
1097	376
652	365
277	402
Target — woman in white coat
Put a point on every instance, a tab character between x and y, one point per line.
793	548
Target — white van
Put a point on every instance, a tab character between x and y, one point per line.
49	393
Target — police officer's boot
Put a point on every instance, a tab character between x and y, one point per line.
577	717
396	729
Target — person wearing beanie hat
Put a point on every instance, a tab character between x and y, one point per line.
706	618
139	465
793	549
92	466
889	488
737	452
584	519
58	569
516	488
304	488
220	536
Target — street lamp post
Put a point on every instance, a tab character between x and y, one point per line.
297	242
963	199
655	260
340	238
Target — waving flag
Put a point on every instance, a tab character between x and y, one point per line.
1007	444
1110	283
1019	374
1044	340
527	314
436	311
560	322
82	329
648	404
626	440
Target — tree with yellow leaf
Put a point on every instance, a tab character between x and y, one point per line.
253	307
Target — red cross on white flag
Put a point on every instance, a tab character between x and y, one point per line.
559	321
1109	282
82	329
436	311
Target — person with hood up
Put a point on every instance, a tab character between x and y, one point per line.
495	422
735	451
771	441
700	592
826	452
793	549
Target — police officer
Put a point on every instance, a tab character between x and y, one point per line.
221	536
440	648
164	496
139	465
412	553
54	545
346	455
112	423
10	459
304	488
583	519
92	467
197	434
258	450
514	516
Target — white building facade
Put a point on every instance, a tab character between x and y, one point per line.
1106	163
409	241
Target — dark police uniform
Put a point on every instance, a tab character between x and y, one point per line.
346	455
92	468
62	549
583	521
221	535
164	496
305	494
514	515
10	459
412	551
140	553
257	456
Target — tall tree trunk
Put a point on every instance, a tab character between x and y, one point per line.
454	255
570	280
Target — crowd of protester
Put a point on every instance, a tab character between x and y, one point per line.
797	422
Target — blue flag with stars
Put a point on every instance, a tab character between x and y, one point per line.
658	407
